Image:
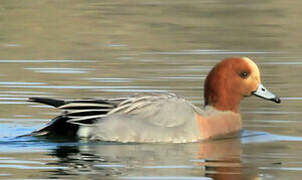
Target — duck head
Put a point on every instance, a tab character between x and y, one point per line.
230	81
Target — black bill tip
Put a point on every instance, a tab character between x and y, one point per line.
277	100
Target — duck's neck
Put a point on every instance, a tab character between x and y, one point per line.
224	102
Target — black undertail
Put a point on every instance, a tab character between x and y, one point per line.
75	113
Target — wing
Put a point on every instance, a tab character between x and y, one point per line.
160	109
164	110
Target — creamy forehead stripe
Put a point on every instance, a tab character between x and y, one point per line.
254	67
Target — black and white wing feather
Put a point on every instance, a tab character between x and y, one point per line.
75	113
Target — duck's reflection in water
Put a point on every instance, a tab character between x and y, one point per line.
217	159
221	159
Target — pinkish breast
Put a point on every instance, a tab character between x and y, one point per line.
218	123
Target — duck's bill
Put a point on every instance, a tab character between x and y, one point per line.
266	94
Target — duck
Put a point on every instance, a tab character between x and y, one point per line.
162	117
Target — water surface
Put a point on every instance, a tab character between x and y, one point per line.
80	49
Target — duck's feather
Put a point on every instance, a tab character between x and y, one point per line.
162	110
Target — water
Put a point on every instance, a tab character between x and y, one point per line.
79	49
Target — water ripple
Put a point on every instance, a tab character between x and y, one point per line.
211	52
45	61
61	70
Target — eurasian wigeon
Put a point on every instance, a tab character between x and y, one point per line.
162	117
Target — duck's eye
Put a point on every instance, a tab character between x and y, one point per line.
244	75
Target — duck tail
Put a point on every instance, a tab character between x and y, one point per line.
59	126
48	101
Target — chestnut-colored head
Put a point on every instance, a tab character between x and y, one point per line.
231	80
